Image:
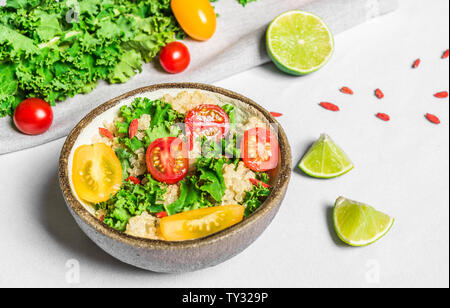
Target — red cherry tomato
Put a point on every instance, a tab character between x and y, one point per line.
207	120
33	116
175	57
260	149
167	160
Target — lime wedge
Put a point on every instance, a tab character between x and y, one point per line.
358	224
325	160
299	43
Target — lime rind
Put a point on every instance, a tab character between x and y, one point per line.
325	160
320	30
367	220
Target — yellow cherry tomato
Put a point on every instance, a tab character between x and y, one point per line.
199	223
96	172
196	17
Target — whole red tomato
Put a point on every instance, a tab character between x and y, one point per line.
33	116
175	57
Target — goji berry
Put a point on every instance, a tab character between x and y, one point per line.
443	94
383	116
329	106
161	214
105	133
445	54
416	63
133	179
132	130
432	118
379	93
276	114
257	182
347	90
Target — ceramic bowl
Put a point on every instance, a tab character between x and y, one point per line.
163	256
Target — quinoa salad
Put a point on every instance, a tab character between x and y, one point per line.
177	168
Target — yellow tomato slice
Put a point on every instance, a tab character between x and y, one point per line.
196	17
96	172
199	223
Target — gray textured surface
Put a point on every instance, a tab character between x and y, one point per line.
237	46
402	168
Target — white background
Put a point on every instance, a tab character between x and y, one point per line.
401	169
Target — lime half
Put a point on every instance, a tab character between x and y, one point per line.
325	160
299	42
358	224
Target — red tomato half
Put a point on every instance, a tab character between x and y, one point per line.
33	116
210	121
167	160
260	149
175	57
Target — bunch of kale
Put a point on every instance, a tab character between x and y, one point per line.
56	49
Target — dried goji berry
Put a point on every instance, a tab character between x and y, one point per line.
161	214
416	63
132	130
276	114
443	94
329	106
257	182
432	118
347	90
383	116
133	179
445	54
379	93
105	133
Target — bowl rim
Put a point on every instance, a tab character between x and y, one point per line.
277	193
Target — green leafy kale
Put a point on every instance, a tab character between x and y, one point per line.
203	189
132	200
163	118
254	199
57	49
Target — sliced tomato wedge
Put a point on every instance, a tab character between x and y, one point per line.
199	223
167	160
260	149
96	172
209	121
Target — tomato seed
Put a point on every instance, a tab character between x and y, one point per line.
347	90
416	63
445	55
276	114
132	130
379	93
383	116
105	133
443	94
329	106
432	118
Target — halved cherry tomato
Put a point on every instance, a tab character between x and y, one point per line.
174	57
199	223
167	160
210	121
96	172
33	116
196	17
260	149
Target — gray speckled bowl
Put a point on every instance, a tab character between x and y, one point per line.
162	256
